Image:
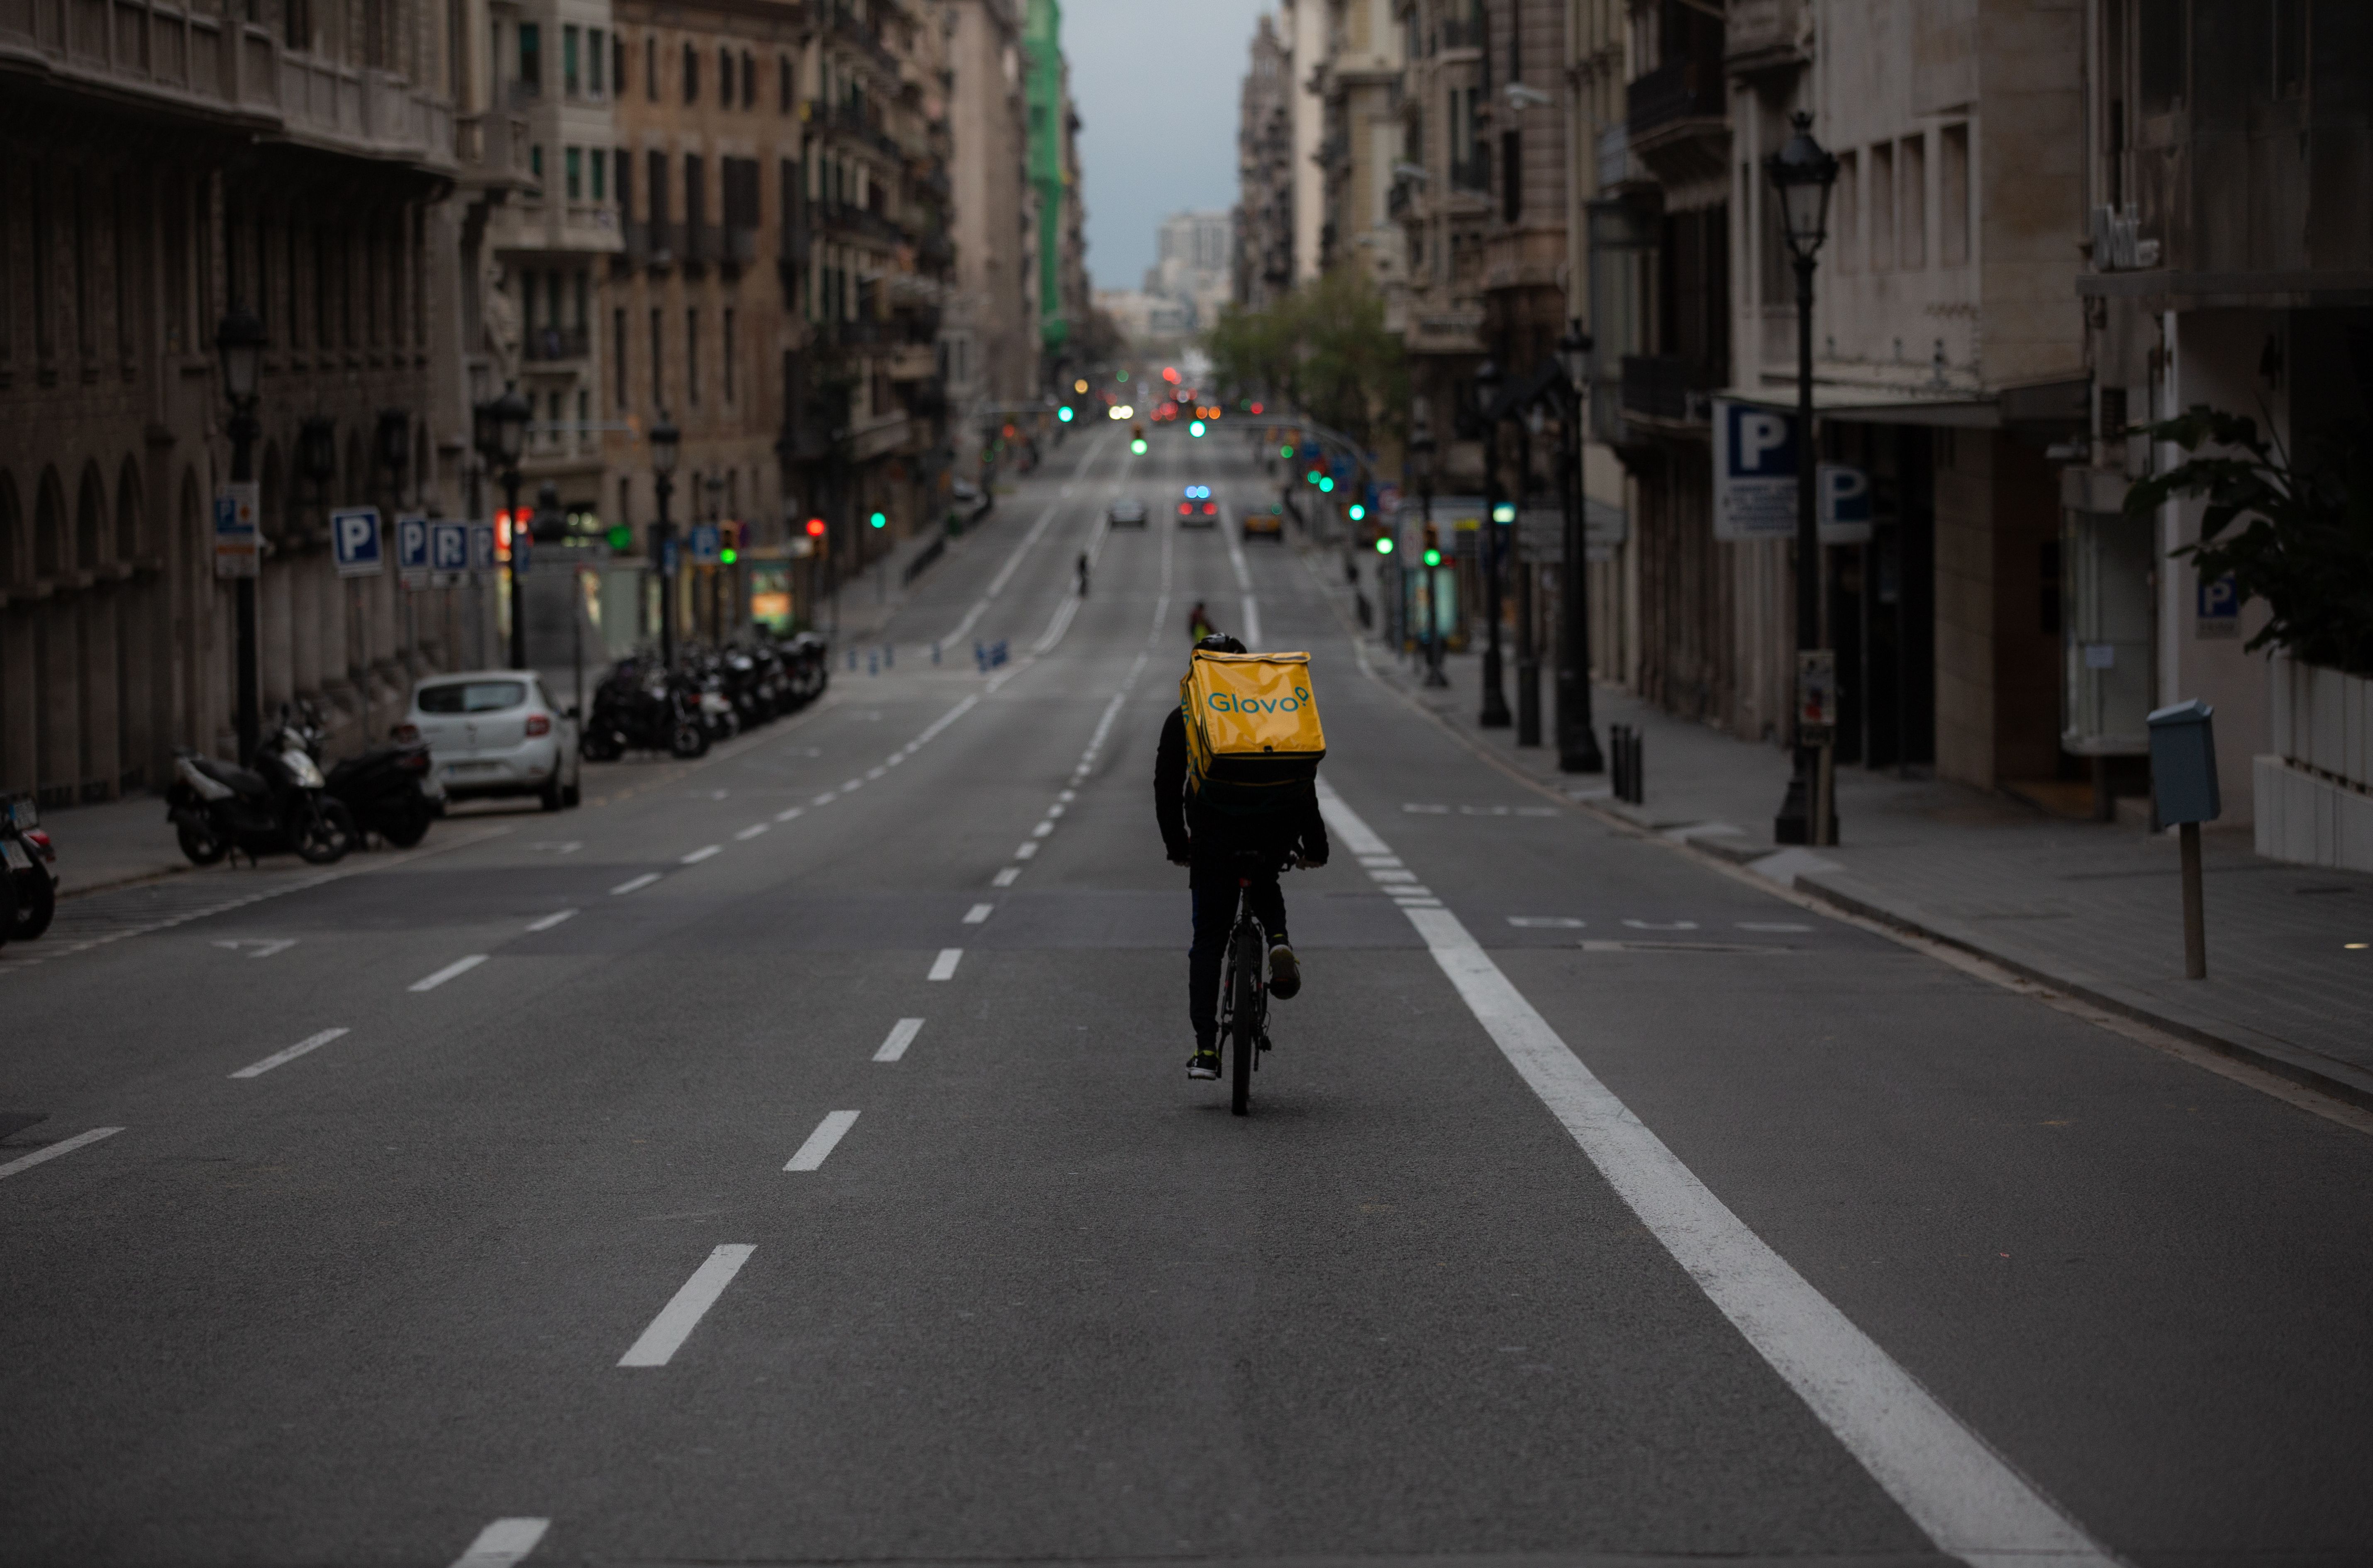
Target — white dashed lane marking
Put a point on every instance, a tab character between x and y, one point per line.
827	1136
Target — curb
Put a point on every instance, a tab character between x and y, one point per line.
2297	1065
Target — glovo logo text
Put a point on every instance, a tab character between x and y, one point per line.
1222	701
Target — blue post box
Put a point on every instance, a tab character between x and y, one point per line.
2183	763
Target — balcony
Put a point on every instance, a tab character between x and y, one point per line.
700	247
848	30
1678	91
1669	386
544	345
1471	175
739	248
849	220
1468	34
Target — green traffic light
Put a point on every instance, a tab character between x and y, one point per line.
621	536
1503	513
1138	446
728	556
1325	486
1385	545
1358	512
1194	427
1122	376
878	520
1064	414
1433	557
1311	477
1286	452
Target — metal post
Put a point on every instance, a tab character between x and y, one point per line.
1528	658
1800	820
1495	699
519	600
2195	931
243	432
661	537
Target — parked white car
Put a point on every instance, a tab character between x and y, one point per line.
496	732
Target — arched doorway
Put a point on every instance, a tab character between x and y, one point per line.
16	688
96	665
136	635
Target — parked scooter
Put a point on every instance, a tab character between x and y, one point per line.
282	804
391	790
28	893
642	708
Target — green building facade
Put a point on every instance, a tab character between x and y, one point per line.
1042	41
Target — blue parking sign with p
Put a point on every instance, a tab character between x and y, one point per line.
412	546
448	547
353	541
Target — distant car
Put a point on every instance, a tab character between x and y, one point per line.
1126	514
1197	510
1259	524
495	732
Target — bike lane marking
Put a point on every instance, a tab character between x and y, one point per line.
902	1035
828	1133
1965	1497
944	966
63	1146
684	1310
503	1543
281	1058
457	967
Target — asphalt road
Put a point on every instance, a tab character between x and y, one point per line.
1596	1206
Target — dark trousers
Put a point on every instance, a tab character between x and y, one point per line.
1215	890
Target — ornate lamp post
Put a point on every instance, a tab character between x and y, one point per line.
1420	463
499	430
239	340
1803	172
666	442
1577	741
1495	714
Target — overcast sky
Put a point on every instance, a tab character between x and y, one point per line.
1156	84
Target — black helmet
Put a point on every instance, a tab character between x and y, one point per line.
1219	643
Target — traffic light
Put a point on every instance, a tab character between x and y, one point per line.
729	544
1505	512
1432	546
816	536
1383	544
1358	513
1311	477
1195	428
1325	485
1286	451
621	538
1081	385
1064	413
1137	445
879	520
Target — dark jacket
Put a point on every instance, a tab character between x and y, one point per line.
1192	831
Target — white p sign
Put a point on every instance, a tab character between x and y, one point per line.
1759	434
354	540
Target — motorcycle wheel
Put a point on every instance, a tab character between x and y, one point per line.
406	828
7	909
199	843
572	796
601	745
37	903
324	834
549	796
688	741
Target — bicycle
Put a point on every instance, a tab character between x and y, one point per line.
1243	997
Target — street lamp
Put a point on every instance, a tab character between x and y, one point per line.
1577	740
1495	714
240	342
1421	464
716	486
666	441
499	432
1803	172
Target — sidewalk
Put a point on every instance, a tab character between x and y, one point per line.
2090	909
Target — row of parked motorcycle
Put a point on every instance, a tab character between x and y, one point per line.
286	802
710	695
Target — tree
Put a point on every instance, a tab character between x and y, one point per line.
2305	545
1323	348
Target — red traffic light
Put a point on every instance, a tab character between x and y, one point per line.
1170	374
815	528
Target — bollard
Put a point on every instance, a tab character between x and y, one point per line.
935	655
872	662
889	656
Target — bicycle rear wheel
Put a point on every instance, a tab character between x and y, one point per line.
1244	1016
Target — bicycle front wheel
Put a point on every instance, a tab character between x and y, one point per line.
1244	1017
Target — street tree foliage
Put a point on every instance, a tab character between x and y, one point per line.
2305	539
1322	349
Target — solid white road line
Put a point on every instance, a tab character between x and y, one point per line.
311	1042
696	856
1962	1494
548	922
753	831
503	1543
63	1146
902	1035
978	912
1236	560
788	812
944	966
1252	623
681	1315
639	883
1056	624
829	1131
458	967
1006	877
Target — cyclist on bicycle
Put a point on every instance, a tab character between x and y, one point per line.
1218	849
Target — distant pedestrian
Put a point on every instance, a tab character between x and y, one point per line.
1199	622
1084	574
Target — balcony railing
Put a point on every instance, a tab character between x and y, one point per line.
700	247
547	344
847	218
1460	35
1668	386
737	246
1687	88
1471	175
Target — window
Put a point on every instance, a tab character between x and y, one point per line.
749	81
729	354
1511	173
692	357
1848	213
584	417
626	188
658	199
580	316
572	176
696	202
535	161
531	56
1911	205
1882	206
553	436
569	81
651	69
783	83
617	63
601	168
724	77
691	75
1953	197
595	51
618	359
658	358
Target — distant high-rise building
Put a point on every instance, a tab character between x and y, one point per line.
1191	268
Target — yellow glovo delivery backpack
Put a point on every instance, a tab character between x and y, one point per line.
1252	730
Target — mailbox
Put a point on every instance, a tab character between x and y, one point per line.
2183	763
